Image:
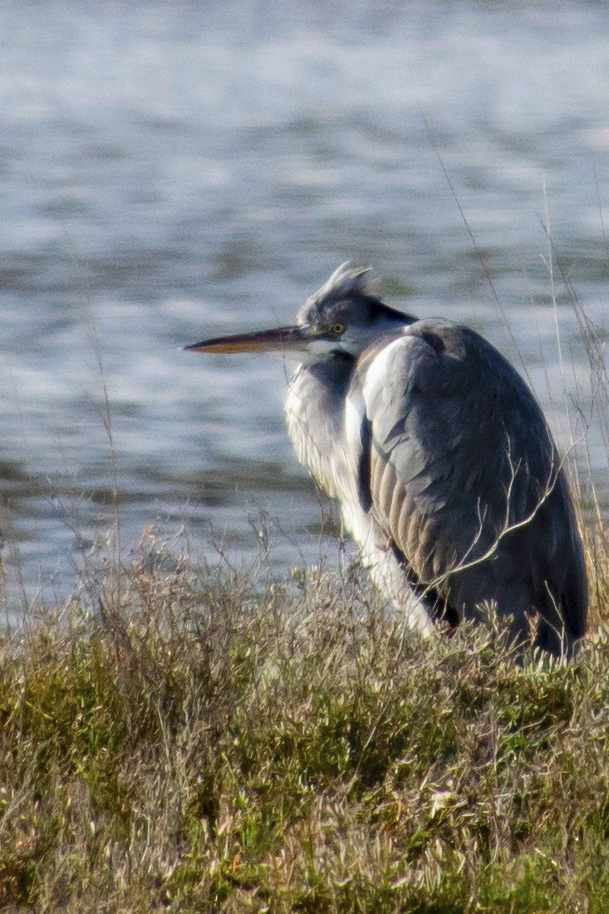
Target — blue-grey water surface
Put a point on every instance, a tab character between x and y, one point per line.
170	171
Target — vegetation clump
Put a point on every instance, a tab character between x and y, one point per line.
203	740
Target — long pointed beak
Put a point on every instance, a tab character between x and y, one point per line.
282	339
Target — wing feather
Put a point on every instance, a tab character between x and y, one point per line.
464	477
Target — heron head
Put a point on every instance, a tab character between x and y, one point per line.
346	316
343	316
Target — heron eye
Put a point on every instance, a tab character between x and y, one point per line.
337	329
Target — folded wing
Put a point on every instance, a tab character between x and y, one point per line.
459	471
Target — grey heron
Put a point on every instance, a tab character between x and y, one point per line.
439	454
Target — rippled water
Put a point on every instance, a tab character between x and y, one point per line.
175	170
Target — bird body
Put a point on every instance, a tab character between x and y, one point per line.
332	387
444	466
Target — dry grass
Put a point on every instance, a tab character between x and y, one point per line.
209	742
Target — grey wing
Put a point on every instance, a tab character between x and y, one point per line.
461	474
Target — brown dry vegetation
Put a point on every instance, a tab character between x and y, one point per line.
209	741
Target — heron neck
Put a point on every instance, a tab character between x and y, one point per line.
314	410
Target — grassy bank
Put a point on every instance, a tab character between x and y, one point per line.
210	742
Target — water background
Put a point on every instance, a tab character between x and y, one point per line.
170	171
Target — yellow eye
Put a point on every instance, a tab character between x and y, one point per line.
337	329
